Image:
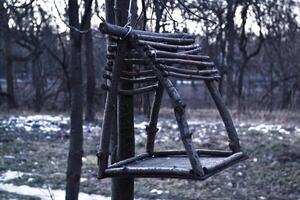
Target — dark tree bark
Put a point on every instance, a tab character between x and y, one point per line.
124	187
158	9
230	37
76	138
10	91
8	62
38	84
245	53
89	64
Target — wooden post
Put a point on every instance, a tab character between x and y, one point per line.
123	188
76	137
110	18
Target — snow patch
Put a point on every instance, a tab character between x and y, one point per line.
10	175
156	191
268	128
141	125
44	123
9	157
46	194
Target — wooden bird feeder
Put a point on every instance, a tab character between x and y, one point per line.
164	56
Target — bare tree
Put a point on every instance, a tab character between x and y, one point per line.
89	64
6	48
76	137
246	52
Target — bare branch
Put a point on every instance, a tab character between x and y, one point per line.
67	24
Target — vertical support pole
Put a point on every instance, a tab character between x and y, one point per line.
234	144
124	187
110	110
76	134
151	128
110	18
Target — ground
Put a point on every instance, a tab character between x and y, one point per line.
33	155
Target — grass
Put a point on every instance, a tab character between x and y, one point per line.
272	172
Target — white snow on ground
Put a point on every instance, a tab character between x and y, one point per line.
49	123
45	194
268	128
44	123
53	124
156	191
48	194
141	125
297	130
9	175
9	157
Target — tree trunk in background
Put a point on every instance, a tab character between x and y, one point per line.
124	187
8	62
37	83
90	68
286	96
76	137
158	9
230	37
10	91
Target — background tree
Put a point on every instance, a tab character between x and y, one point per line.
89	64
76	135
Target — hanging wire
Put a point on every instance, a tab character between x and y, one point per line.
129	14
127	25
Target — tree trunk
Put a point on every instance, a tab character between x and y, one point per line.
38	84
158	9
124	187
10	91
76	138
286	96
230	36
90	69
241	102
8	62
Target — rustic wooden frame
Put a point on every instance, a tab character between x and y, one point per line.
121	168
162	54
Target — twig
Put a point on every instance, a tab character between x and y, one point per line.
193	13
50	192
168	12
